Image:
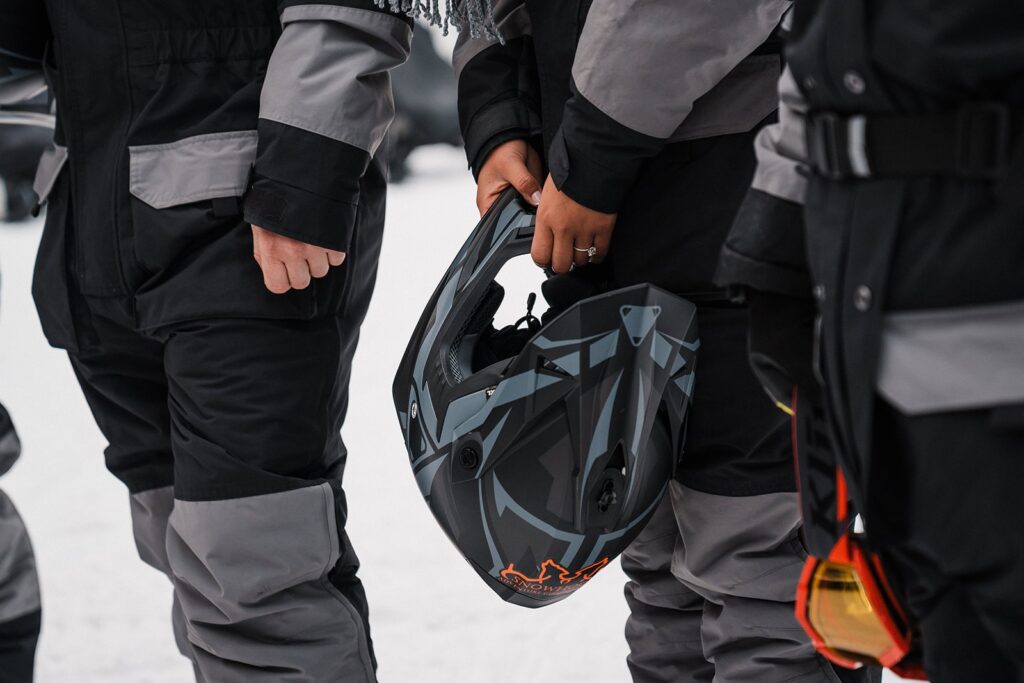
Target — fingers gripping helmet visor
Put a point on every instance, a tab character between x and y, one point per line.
543	465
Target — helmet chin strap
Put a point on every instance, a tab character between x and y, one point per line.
532	323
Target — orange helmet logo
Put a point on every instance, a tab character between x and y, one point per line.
552	579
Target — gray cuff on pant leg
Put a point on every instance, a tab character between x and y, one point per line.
745	557
252	577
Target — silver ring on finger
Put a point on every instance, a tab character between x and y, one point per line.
590	251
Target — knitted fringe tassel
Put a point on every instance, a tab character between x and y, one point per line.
474	16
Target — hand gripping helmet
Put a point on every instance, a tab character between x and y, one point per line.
543	451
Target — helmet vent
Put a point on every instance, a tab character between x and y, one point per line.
546	364
454	366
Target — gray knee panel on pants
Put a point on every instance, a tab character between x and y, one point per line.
744	556
252	577
19	584
741	558
743	546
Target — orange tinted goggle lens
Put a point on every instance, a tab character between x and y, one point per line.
842	613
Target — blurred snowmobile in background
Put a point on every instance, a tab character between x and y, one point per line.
20	148
26	128
425	104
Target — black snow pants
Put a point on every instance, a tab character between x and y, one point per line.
922	323
713	576
226	431
950	531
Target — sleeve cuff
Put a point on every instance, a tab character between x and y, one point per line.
586	181
301	215
595	159
305	185
500	122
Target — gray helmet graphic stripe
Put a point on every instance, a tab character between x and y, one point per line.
569	362
604	348
660	349
641	415
425	477
545	343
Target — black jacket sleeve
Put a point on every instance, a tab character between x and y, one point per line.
325	107
765	249
640	66
495	84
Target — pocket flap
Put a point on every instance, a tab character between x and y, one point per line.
50	164
953	359
192	169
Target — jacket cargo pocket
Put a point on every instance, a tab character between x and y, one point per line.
192	170
193	249
953	359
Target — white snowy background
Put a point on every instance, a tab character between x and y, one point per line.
106	615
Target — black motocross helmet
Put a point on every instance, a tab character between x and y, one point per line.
543	449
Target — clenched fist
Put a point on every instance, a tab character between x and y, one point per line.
290	264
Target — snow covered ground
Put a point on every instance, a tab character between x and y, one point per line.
106	614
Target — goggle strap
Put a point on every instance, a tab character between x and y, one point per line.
842	499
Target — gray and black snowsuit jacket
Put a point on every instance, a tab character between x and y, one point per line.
603	87
613	82
169	111
648	109
918	278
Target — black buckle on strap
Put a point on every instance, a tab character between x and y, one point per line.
983	140
824	146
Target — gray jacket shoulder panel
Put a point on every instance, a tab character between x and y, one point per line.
645	62
329	72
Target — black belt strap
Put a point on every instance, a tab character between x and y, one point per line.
975	141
